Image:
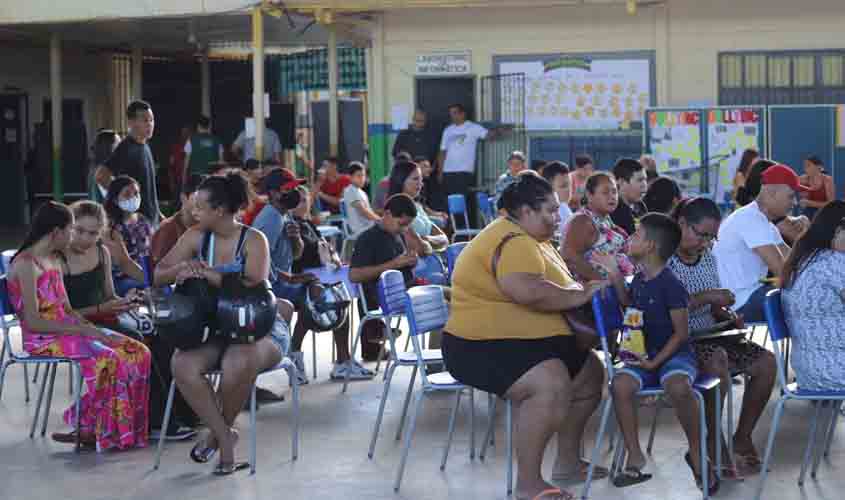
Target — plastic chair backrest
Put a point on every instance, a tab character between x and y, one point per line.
426	309
485	206
430	268
452	253
778	330
391	293
457	204
6	260
608	313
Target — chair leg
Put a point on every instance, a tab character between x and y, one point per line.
38	405
490	428
835	420
78	403
407	401
452	419
702	423
37	370
295	437
730	430
26	382
811	441
253	431
389	378
409	433
509	439
594	456
718	430
70	379
825	433
769	446
491	404
167	409
471	423
52	371
657	407
314	355
5	364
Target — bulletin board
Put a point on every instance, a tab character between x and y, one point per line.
674	138
730	131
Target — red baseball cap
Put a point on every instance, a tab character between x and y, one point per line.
783	174
281	179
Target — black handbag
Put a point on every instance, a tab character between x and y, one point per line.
244	314
185	318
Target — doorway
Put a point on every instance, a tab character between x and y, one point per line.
434	95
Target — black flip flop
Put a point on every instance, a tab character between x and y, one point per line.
201	453
226	469
630	476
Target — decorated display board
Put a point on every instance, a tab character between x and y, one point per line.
730	131
674	139
583	92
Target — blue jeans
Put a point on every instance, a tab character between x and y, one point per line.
681	363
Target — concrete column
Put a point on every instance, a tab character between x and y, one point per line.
334	119
137	73
56	115
206	83
378	138
662	48
258	80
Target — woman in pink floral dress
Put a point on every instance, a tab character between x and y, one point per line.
116	369
591	232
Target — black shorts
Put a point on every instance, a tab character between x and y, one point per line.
495	365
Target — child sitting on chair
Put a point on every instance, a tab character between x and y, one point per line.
668	361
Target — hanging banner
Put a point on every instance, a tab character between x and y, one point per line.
581	92
730	132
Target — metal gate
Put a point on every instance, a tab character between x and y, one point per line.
502	107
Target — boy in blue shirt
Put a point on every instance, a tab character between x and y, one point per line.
670	362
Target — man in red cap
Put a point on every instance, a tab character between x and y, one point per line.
749	245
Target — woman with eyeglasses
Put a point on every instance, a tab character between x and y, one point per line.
814	301
709	311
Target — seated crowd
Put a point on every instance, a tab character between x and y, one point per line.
519	325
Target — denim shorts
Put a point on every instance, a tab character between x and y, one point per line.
681	363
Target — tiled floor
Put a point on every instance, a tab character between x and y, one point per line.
333	460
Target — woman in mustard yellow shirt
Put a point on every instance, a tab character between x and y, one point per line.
507	334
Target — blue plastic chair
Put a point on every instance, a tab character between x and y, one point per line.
452	253
427	311
458	208
779	332
11	321
386	313
50	362
608	313
486	207
430	267
392	297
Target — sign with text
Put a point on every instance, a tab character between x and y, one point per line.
444	63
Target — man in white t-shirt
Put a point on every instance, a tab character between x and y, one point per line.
359	215
456	162
749	245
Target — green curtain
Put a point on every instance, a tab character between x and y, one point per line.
309	70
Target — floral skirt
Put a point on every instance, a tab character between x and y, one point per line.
115	406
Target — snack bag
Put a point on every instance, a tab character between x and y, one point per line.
633	338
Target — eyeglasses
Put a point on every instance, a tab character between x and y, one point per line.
704	236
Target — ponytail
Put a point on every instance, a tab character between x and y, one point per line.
49	217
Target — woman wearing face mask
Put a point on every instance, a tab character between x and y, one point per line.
115	368
232	248
814	301
128	234
591	231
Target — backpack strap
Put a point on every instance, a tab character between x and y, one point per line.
497	253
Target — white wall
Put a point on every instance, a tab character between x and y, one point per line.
686	35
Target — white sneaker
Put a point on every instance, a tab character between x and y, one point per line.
355	371
299	363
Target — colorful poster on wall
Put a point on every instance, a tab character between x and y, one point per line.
674	140
583	93
729	133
